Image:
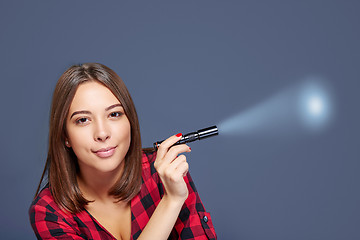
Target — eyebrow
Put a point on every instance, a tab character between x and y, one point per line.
113	106
88	112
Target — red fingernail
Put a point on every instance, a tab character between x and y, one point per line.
190	148
178	135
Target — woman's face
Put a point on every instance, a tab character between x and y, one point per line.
98	130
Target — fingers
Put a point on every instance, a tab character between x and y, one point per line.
168	158
172	166
172	177
182	168
165	145
175	151
172	155
179	166
176	170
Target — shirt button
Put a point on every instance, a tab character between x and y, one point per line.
205	218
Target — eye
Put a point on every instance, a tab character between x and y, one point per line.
82	120
116	114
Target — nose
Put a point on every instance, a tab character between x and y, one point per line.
102	132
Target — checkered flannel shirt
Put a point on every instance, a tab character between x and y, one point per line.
50	222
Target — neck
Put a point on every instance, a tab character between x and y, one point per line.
95	185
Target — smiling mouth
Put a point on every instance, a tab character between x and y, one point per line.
105	152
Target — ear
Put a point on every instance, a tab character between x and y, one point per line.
67	143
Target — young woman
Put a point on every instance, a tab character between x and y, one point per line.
101	184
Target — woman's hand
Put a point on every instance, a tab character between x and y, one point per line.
171	166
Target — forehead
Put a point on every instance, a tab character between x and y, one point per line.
92	94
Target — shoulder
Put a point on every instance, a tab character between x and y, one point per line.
44	204
49	221
44	200
46	217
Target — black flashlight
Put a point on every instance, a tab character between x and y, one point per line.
193	136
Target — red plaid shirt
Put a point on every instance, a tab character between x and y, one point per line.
50	222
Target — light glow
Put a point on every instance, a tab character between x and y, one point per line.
306	106
315	105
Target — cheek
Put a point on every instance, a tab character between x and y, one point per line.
77	138
125	132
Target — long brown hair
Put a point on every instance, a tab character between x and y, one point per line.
61	163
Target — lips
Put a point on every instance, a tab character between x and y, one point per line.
105	152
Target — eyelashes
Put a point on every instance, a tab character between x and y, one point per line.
81	121
86	120
116	114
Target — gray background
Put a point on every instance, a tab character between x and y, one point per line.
189	65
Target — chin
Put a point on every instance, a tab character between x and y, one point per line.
110	166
